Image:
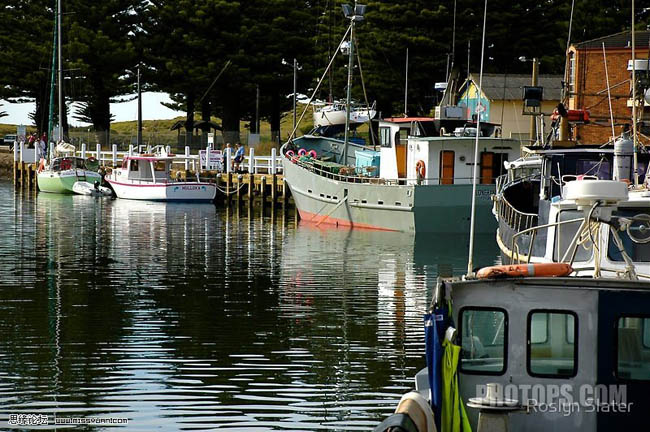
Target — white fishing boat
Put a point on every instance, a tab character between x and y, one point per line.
333	114
148	177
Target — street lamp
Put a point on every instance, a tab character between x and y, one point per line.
296	68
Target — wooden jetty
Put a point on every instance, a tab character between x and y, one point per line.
259	178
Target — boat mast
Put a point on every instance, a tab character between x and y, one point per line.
139	136
470	260
348	99
636	163
61	110
50	120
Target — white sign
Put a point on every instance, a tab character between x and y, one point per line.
216	159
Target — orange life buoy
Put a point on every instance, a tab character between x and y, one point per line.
525	270
41	165
421	169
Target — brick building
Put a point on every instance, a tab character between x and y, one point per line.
588	84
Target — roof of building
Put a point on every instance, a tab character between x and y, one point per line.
617	40
510	86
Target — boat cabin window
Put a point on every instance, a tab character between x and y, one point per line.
599	168
159	166
640	229
483	340
552	351
633	348
384	136
492	166
447	167
134	165
565	233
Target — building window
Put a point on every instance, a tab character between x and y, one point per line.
633	348
552	351
483	334
384	136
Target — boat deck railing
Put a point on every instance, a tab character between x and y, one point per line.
356	177
514	218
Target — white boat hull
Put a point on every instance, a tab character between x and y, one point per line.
329	117
87	188
175	191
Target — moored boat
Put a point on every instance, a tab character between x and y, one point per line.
148	177
61	175
536	350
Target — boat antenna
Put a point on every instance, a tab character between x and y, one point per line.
353	15
470	260
61	102
453	45
406	85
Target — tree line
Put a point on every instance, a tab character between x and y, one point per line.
181	46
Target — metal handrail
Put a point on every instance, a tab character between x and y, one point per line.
366	179
513	217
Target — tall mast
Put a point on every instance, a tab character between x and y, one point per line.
348	99
60	84
636	164
139	136
50	120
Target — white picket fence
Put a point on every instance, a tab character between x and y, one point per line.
251	163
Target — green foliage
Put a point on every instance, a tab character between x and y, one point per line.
183	45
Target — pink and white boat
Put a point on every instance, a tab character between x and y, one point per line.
148	177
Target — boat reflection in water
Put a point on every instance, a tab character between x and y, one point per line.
187	316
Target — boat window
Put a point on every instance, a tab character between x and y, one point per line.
134	165
633	348
492	166
159	166
640	229
556	355
447	167
565	234
483	340
599	168
384	136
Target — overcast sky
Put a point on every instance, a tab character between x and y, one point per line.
151	110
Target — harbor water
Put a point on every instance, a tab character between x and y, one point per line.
187	316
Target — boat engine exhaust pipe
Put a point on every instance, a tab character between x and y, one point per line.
623	153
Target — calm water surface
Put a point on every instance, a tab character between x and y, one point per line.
193	317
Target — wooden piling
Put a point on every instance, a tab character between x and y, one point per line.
263	189
228	187
251	187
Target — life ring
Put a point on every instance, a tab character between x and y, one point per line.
421	169
313	154
302	152
41	165
525	270
66	164
290	154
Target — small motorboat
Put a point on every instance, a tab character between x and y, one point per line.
93	189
